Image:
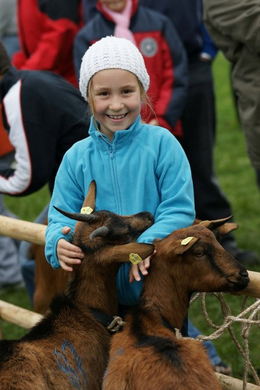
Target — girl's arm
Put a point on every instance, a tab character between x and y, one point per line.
176	209
68	195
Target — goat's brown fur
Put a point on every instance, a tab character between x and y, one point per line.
69	348
146	354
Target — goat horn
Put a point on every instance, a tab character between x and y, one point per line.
90	199
78	216
102	231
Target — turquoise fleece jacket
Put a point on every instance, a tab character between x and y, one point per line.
143	169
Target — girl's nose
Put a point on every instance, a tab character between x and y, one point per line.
116	104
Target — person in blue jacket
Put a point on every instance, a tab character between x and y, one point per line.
137	167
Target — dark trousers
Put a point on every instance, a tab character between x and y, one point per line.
199	126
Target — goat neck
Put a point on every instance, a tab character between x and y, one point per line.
163	294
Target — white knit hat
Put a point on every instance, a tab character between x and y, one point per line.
112	53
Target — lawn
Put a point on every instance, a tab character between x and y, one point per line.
237	180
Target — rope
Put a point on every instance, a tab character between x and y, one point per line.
246	325
115	325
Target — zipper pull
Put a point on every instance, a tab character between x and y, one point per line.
111	153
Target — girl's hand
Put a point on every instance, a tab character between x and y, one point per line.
134	273
67	253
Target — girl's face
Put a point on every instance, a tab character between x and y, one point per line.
114	5
115	97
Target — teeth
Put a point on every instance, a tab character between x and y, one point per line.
117	116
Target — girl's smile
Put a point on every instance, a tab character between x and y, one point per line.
116	99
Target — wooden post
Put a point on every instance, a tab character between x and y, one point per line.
22	230
230	383
253	288
18	316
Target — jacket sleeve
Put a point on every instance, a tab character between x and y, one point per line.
173	91
176	209
233	20
34	160
73	203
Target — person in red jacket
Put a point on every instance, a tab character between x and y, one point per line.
46	32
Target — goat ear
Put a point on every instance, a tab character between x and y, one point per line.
227	227
90	199
184	245
215	223
120	253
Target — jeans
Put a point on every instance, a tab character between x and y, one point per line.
11	43
9	266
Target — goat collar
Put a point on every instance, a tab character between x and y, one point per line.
112	323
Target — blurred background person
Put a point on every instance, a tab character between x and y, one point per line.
8	26
234	27
46	32
43	116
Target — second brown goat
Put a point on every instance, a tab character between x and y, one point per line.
147	354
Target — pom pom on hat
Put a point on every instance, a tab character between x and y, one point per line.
112	53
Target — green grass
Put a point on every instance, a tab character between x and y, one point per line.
237	179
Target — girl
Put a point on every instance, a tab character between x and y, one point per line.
162	50
137	167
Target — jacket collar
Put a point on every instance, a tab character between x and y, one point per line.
121	137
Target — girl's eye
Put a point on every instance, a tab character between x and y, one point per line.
127	91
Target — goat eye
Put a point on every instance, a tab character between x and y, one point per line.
199	253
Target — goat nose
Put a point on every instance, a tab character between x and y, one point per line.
243	273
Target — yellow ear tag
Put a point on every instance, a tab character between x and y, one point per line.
86	210
135	258
186	240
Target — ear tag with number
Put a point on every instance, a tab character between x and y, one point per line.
135	258
186	240
86	210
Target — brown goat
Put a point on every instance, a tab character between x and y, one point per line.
147	354
69	348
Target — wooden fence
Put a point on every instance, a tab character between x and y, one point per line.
35	233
